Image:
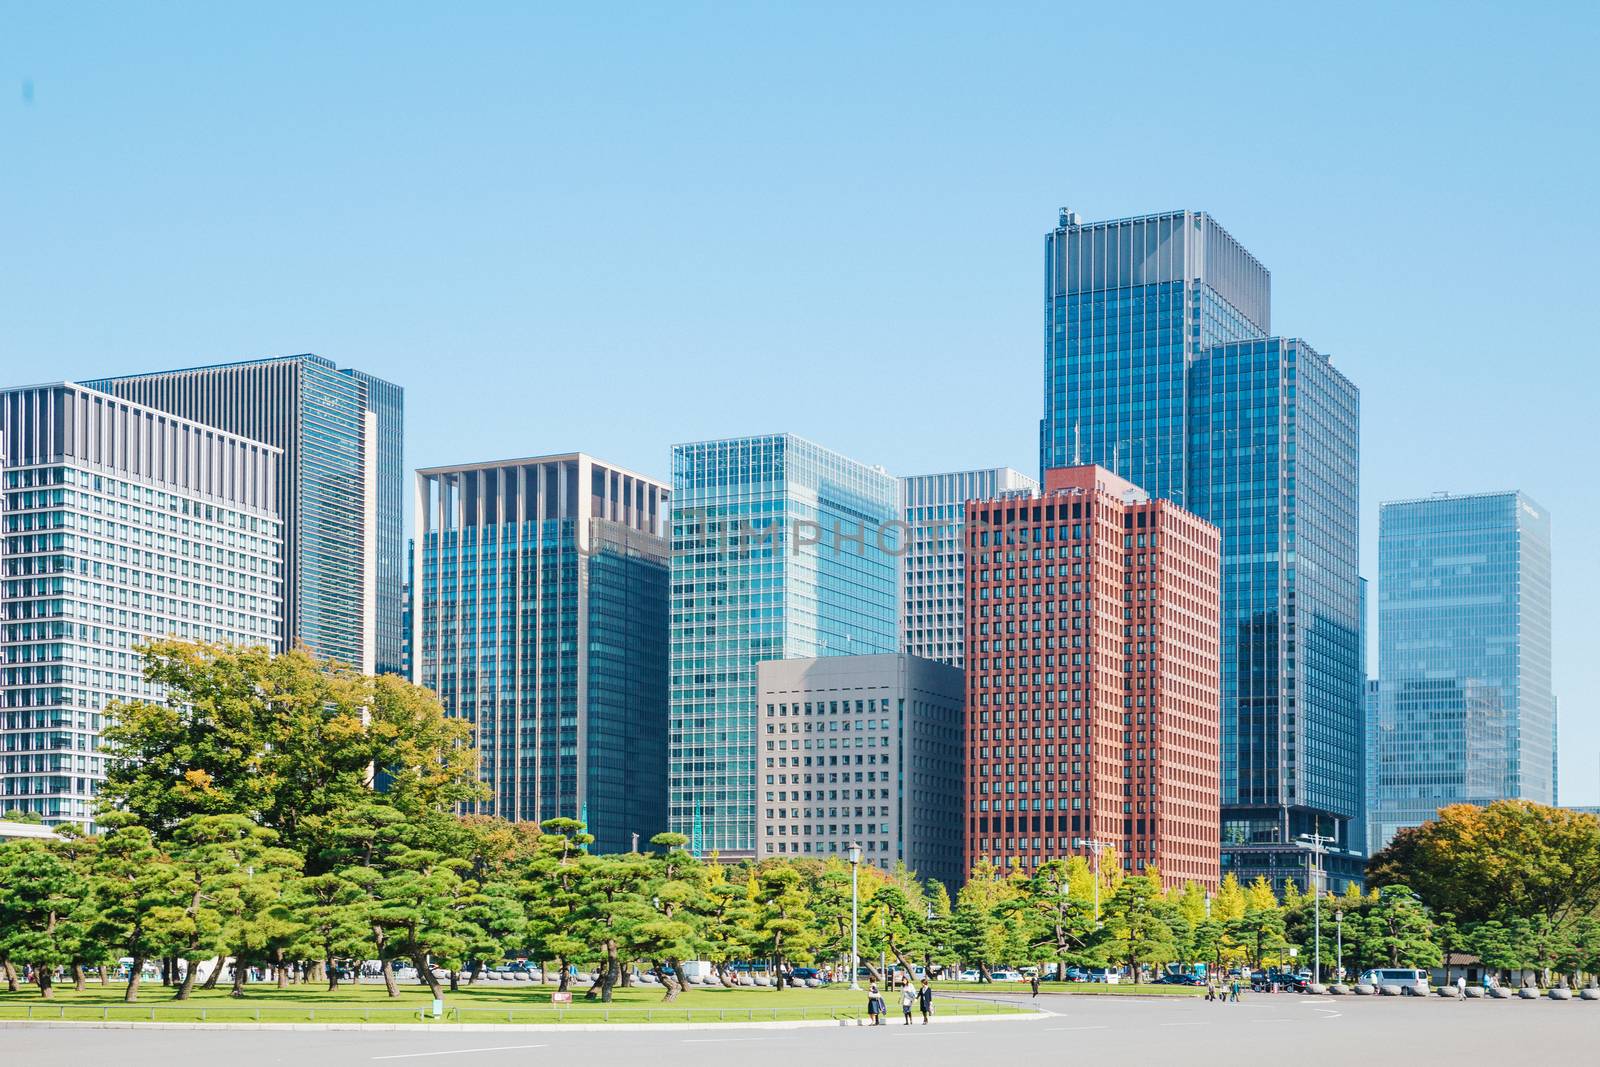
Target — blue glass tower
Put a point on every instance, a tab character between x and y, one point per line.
540	614
1160	367
1129	305
780	549
1274	441
1466	714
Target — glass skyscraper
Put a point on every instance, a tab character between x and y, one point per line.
780	549
1160	367
1466	713
340	487
540	613
119	524
1129	305
933	578
1274	447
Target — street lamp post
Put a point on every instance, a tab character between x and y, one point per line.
1338	959
855	905
1316	844
1096	847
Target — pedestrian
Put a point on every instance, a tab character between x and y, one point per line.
875	1004
925	1000
1461	986
1033	982
1235	996
908	997
1211	990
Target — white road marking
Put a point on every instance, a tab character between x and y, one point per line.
1077	1028
453	1052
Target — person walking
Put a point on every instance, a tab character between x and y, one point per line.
925	1001
908	998
1234	998
1033	983
1461	986
875	1004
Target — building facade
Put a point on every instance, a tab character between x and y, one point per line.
865	750
1466	714
1160	367
119	524
1129	305
932	572
780	549
1092	678
340	487
1274	463
539	610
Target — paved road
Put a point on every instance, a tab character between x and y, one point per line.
1281	1028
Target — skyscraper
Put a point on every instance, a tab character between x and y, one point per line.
340	487
540	615
1092	675
1158	365
1274	445
118	524
932	585
1129	305
780	549
1465	705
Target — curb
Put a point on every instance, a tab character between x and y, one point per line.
483	1028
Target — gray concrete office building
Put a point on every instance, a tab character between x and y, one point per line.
862	749
932	576
121	524
341	488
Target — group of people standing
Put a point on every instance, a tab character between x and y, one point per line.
911	998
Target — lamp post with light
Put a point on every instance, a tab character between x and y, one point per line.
855	905
1338	960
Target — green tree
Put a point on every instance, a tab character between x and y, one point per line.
1397	929
42	922
134	889
1060	926
1139	924
780	932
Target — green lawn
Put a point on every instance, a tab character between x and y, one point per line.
493	1003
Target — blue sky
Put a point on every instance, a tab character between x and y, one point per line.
613	227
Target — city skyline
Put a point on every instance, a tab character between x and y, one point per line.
203	240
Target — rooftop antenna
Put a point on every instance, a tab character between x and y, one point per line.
1077	451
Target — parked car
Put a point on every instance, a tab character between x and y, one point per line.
968	976
1180	979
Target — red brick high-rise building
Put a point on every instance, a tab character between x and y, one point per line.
1092	677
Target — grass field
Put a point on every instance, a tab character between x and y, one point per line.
480	1004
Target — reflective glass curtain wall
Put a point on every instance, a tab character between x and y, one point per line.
1466	713
540	615
775	554
1274	454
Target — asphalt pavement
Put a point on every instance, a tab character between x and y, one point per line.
1262	1028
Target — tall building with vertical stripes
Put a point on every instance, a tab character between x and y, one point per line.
780	549
1092	678
539	613
932	571
340	487
119	524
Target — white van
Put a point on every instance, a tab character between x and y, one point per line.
1408	979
